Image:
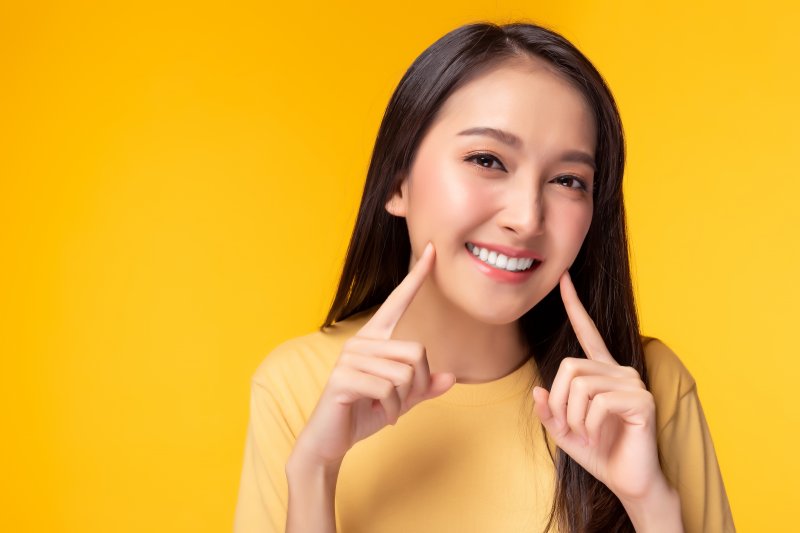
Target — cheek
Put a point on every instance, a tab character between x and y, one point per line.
571	224
442	198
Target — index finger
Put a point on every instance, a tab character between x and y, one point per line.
383	322
585	329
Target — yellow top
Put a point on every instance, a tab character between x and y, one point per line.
472	459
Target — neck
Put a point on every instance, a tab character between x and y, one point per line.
474	351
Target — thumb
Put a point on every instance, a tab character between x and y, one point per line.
440	383
542	410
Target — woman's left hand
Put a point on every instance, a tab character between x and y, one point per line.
600	413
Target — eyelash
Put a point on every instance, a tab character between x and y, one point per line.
490	156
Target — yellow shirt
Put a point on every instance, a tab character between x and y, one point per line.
470	460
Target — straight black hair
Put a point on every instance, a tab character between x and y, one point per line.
379	251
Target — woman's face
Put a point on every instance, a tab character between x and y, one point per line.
526	192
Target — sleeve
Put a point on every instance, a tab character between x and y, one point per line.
690	463
263	492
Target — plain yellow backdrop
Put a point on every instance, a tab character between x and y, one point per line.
179	181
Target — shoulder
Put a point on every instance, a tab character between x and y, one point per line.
686	450
669	379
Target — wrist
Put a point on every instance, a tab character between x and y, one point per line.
657	511
312	493
305	465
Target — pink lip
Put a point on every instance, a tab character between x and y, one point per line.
507	251
504	276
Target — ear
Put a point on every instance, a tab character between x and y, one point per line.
397	205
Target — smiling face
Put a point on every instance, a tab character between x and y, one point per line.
522	194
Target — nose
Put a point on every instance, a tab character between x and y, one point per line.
523	211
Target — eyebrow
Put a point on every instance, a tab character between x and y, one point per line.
513	141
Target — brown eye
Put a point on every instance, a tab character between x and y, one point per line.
572	182
485	161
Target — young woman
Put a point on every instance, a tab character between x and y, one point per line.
481	367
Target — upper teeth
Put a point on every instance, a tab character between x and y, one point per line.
498	260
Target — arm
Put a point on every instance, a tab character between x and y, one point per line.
263	494
690	464
686	450
659	511
312	489
281	489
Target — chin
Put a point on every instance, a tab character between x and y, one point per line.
495	315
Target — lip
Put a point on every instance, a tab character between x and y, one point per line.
508	251
503	276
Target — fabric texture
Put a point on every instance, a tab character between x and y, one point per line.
471	460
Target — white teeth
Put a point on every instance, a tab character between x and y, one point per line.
500	261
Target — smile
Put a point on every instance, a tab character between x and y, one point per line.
500	261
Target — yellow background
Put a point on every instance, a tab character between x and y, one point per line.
179	181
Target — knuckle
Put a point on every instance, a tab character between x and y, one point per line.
631	372
601	400
346	358
562	431
408	373
386	390
338	382
575	423
338	374
350	343
568	364
650	401
580	384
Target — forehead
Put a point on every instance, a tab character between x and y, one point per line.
526	97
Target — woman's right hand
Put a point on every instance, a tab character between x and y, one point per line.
375	380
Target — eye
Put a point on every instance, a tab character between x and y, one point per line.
572	182
485	161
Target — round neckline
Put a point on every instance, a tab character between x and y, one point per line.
485	393
490	392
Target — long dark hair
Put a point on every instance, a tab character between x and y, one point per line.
379	251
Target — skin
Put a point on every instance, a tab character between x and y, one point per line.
431	331
528	198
